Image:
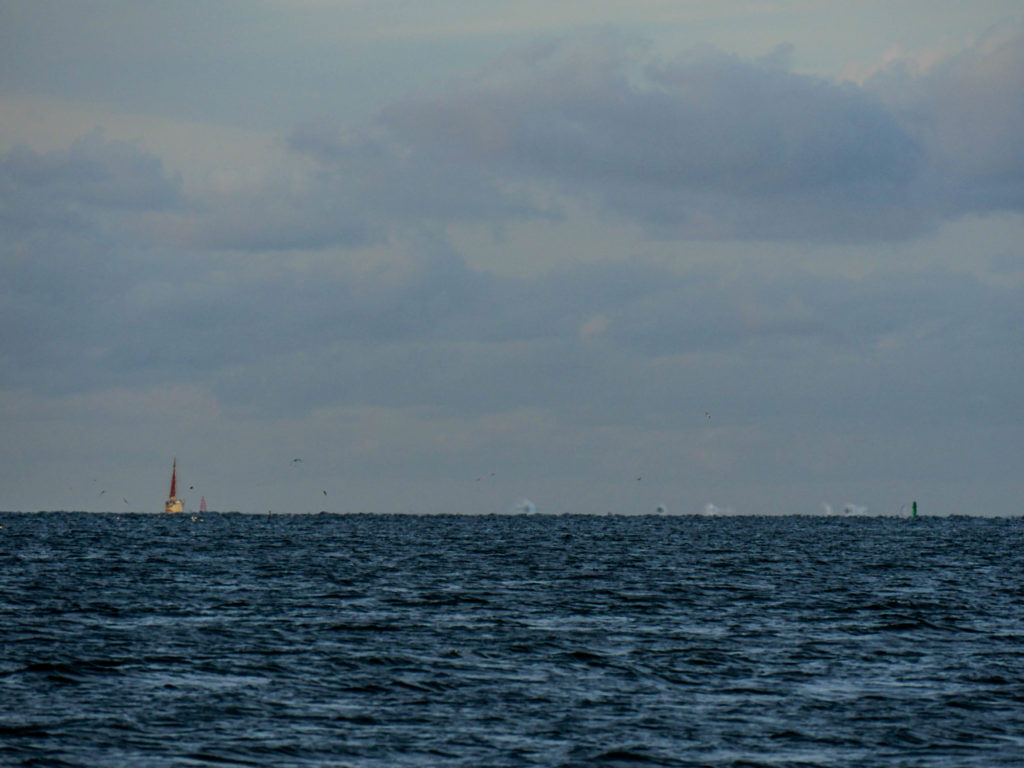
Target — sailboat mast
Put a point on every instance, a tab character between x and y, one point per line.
173	503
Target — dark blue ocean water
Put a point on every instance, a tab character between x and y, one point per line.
363	640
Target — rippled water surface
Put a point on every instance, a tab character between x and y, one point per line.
510	641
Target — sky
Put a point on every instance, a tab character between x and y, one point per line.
431	256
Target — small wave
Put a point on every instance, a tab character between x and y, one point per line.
623	755
715	510
24	731
847	510
523	507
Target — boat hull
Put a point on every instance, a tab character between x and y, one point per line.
173	506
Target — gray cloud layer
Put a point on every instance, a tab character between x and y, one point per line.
705	146
76	186
708	145
968	112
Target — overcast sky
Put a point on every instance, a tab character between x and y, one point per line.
752	256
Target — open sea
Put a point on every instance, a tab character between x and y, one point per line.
376	640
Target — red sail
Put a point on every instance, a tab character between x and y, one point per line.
174	477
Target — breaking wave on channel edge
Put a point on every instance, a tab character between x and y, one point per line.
510	640
523	507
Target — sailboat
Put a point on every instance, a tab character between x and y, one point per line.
173	503
202	504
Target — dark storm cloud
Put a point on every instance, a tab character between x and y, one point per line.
143	317
709	144
968	110
604	343
405	182
67	219
417	327
275	217
364	187
93	174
